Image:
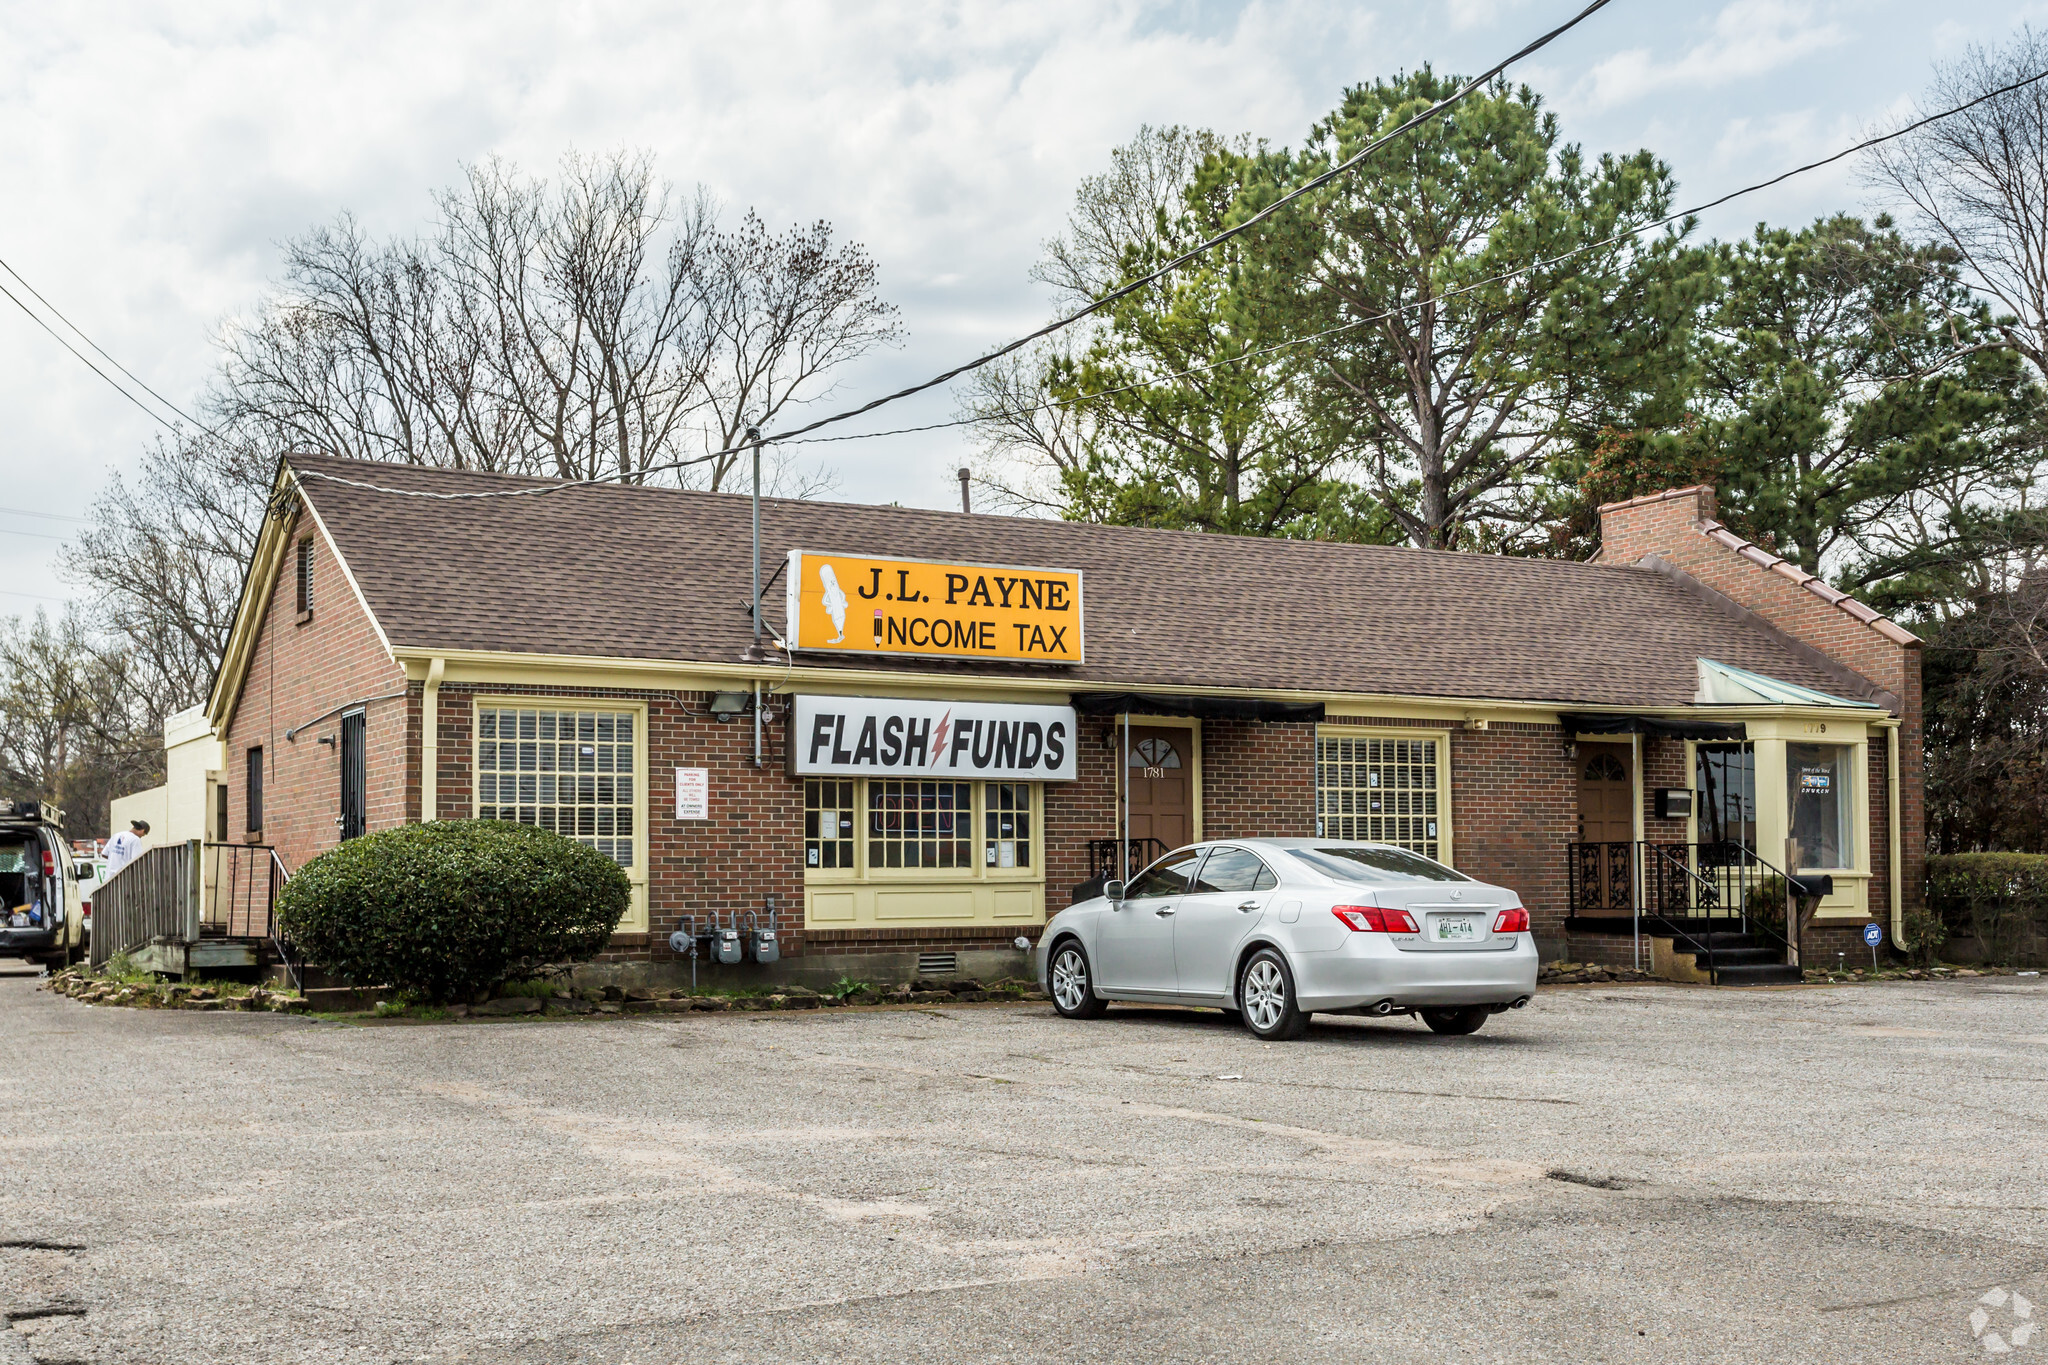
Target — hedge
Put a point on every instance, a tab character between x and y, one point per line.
2001	898
447	909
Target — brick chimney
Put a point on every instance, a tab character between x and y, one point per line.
1655	524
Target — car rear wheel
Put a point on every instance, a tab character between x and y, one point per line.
1266	995
1073	989
1455	1021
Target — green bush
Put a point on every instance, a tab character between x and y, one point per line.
2001	898
444	910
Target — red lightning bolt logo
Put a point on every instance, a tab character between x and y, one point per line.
939	737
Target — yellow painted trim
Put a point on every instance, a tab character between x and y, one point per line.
1446	828
862	874
636	919
595	670
273	543
1894	840
430	742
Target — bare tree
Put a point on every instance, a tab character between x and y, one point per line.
1977	181
73	730
782	313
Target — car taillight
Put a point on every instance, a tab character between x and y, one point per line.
49	863
1372	919
1514	921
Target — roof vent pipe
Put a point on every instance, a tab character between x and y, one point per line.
965	506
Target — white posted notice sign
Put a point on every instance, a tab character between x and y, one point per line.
693	794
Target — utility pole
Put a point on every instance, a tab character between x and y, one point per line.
754	438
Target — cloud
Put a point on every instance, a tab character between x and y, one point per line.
1749	38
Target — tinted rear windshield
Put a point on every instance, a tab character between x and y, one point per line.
1375	866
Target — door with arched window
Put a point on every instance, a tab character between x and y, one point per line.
1607	828
1160	778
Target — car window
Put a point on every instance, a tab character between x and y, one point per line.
1376	866
1167	877
1235	869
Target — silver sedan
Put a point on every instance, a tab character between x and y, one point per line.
1279	929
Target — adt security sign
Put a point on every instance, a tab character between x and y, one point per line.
1873	934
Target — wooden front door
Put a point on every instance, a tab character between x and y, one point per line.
1607	827
1161	783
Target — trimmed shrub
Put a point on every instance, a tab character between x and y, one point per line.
447	909
2000	898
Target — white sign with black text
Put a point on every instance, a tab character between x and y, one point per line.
884	736
693	794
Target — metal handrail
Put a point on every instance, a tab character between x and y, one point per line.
1676	882
279	875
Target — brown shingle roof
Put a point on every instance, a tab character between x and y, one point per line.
647	573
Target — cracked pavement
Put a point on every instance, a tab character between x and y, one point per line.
1614	1174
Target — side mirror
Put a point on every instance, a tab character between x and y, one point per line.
1113	891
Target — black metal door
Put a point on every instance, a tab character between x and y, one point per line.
353	776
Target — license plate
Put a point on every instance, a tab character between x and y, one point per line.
1456	930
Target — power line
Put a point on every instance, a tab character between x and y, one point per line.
38	319
96	346
52	516
1610	240
1122	291
1342	168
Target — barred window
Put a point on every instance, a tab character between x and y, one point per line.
567	771
920	824
1006	824
828	824
1385	791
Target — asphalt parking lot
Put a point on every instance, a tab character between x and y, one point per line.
1613	1174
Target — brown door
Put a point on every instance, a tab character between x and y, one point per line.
1161	782
1607	827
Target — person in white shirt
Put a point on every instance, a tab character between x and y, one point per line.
122	848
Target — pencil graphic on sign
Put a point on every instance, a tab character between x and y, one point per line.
878	627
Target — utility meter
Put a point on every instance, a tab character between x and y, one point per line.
762	943
726	947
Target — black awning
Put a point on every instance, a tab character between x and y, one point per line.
1207	708
1652	725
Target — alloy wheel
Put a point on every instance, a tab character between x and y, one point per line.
1069	979
1265	995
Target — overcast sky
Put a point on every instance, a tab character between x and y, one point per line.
152	156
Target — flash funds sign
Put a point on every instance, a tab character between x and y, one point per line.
853	604
898	737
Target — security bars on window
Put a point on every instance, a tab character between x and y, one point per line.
1381	790
567	771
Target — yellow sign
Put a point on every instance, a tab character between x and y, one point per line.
852	604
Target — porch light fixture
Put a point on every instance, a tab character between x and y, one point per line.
728	706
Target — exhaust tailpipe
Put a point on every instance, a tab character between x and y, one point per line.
1384	1007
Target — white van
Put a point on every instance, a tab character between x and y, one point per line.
42	915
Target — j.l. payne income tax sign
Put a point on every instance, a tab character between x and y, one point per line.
856	605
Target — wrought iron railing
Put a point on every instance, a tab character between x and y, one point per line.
1693	889
244	882
1141	853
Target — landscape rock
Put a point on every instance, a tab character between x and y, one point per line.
508	1004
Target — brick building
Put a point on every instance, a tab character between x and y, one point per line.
898	777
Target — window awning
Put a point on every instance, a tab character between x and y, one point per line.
1206	708
1652	725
